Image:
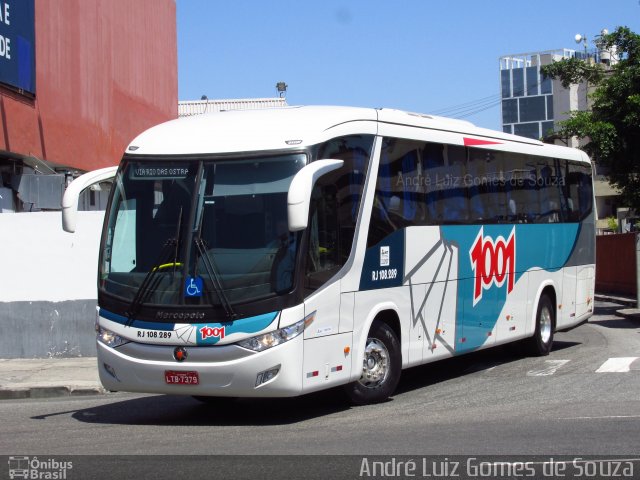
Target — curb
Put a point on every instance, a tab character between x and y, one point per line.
49	392
629	313
628	302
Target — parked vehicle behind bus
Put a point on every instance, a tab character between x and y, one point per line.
279	252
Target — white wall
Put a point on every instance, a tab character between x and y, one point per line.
41	262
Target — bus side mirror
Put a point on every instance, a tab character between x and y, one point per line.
300	191
73	191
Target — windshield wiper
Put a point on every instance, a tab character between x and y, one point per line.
212	271
147	287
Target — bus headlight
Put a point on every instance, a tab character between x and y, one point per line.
110	339
271	339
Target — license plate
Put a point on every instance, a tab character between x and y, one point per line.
181	378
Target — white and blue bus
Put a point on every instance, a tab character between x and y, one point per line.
279	252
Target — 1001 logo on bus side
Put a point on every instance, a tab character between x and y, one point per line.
493	262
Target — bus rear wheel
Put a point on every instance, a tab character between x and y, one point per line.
380	368
542	340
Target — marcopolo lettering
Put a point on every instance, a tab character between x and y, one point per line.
163	315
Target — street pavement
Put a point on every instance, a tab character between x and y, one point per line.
51	377
55	377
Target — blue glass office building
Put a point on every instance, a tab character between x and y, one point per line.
527	97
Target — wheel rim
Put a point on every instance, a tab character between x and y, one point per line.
545	325
375	367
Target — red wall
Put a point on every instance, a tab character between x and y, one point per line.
616	264
105	71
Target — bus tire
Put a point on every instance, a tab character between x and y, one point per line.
541	342
380	369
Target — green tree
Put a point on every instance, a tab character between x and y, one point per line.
612	127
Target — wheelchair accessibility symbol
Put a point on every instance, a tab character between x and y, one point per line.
193	287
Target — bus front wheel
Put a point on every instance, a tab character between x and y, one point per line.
542	340
380	368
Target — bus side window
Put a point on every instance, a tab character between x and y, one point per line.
323	253
455	209
580	191
399	198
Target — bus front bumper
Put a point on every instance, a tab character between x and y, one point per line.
229	371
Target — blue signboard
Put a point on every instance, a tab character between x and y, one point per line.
17	44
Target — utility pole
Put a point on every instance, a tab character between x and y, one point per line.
637	270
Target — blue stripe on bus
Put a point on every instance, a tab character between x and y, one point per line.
547	247
114	317
244	325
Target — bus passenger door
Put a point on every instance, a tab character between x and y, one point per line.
326	348
326	338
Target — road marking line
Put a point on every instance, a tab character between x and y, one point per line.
551	368
617	365
607	417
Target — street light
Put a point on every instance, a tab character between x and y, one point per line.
582	38
281	87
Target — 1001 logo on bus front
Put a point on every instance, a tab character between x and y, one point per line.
493	262
212	332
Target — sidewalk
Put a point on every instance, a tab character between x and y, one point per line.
631	310
50	377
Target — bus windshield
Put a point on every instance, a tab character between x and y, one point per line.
200	232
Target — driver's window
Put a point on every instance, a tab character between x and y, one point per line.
335	204
323	259
123	258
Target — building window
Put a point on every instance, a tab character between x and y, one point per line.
545	85
547	128
505	81
532	109
518	82
529	130
510	111
532	81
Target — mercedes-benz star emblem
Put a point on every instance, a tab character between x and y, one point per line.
180	354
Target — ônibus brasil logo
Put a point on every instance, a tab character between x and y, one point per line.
492	262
